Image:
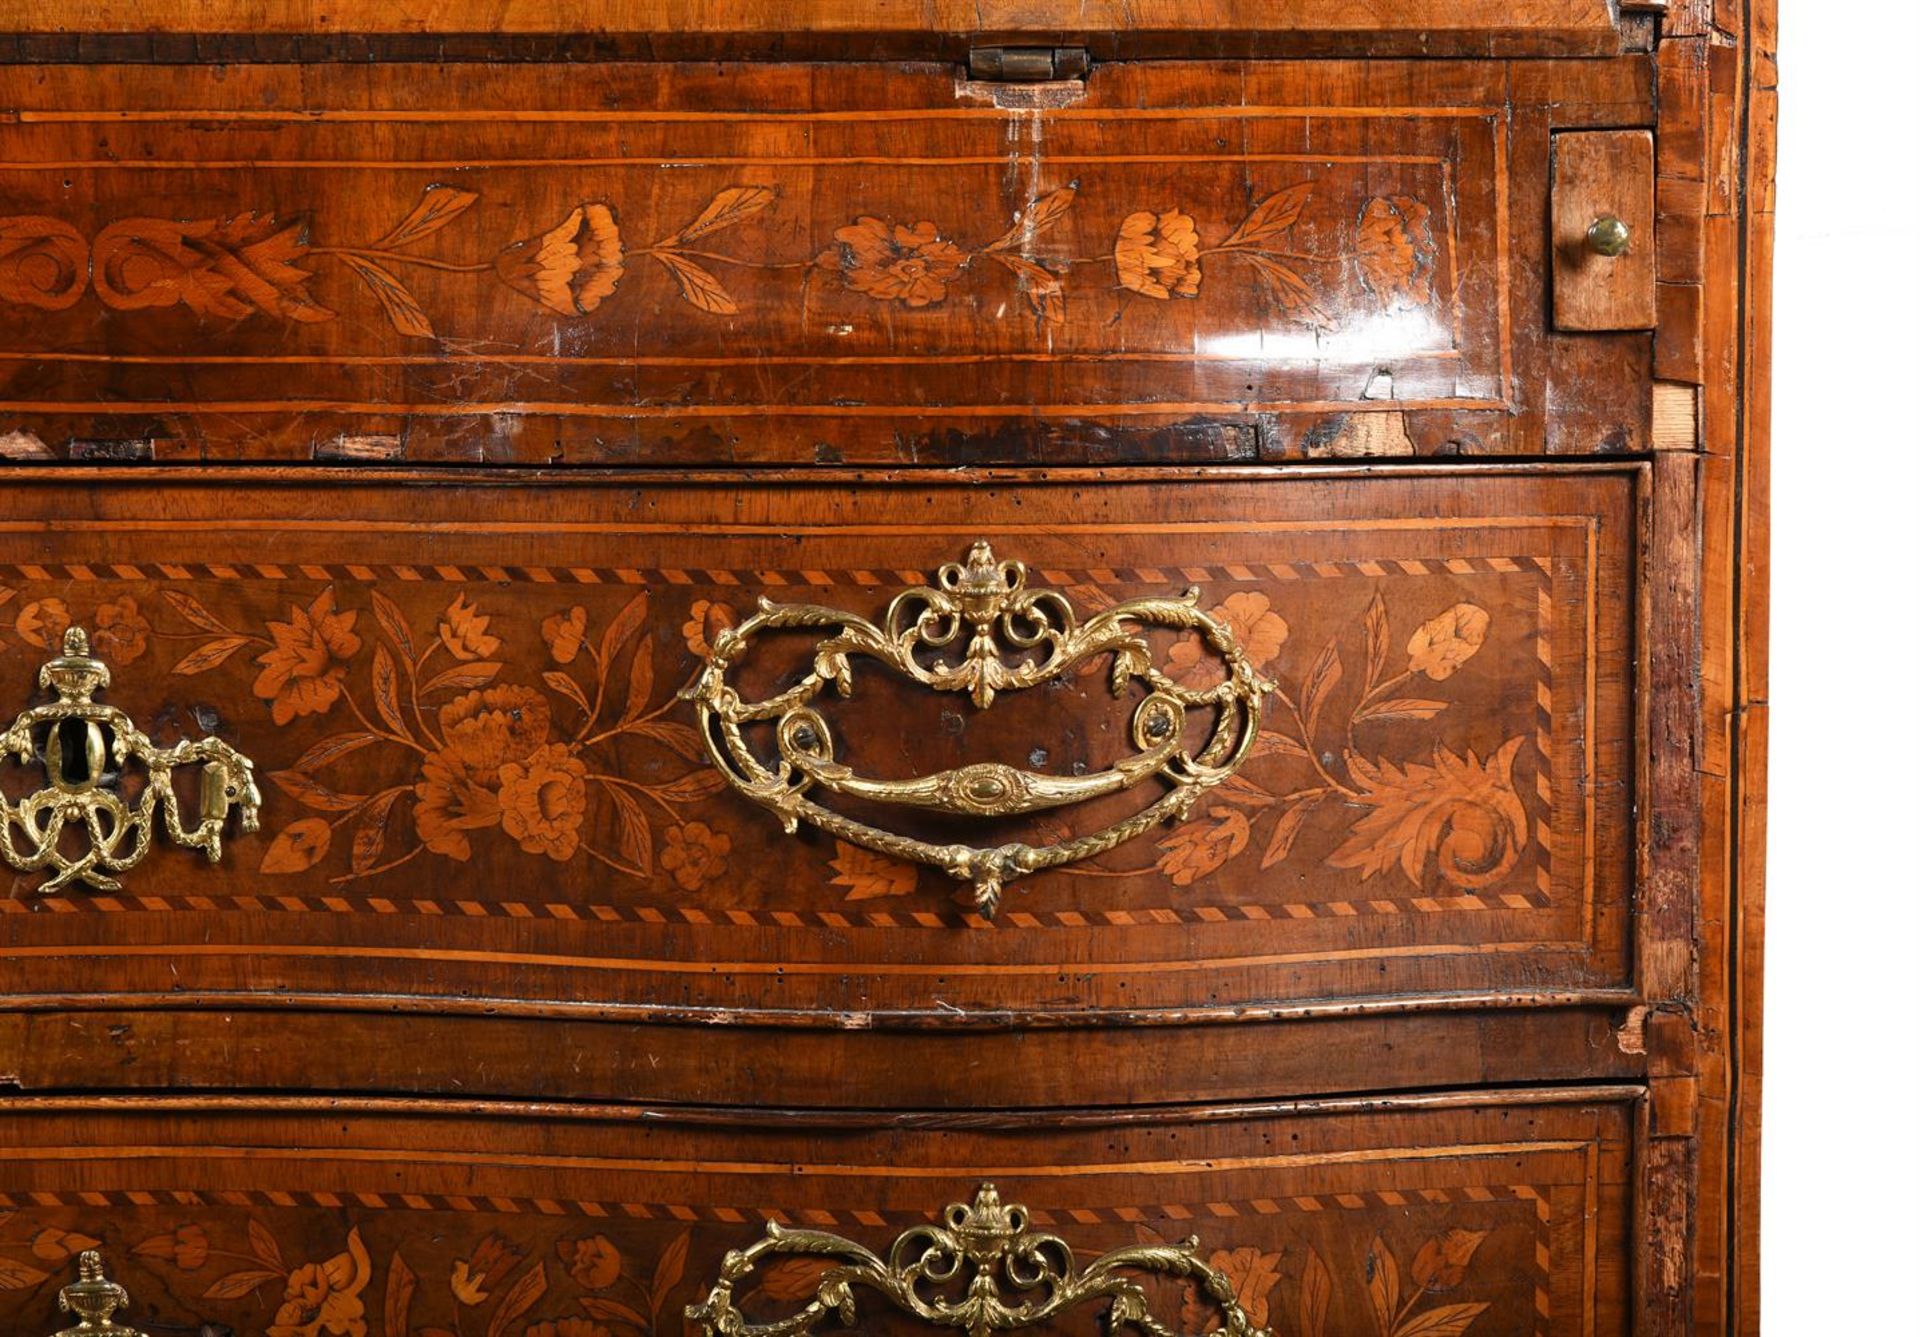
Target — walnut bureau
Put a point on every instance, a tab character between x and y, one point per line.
739	668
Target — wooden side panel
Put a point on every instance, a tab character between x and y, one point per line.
591	264
1509	1212
480	782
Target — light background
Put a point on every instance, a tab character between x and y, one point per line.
1840	1216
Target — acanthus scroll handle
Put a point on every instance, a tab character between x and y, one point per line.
85	748
983	1269
1008	638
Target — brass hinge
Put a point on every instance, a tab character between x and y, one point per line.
1027	64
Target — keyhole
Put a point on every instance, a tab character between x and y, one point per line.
83	751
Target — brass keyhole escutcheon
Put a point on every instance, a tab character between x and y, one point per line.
1609	237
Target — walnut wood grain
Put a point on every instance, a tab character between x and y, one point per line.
573	265
926	28
408	1212
480	778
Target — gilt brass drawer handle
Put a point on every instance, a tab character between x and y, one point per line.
93	1300
85	748
1008	1276
1011	638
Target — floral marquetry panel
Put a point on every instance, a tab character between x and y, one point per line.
574	265
1482	1217
481	775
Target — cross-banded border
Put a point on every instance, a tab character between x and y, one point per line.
829	1219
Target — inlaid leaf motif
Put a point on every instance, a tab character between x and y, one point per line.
401	1283
439	206
639	680
461	678
613	1311
1322	678
1442	1261
314	794
1036	218
17	1276
394	623
329	749
236	1284
1383	1286
668	1271
402	308
1292	821
210	655
1460	813
635	834
54	1245
194	611
625	625
1271	216
265	1247
1294	294
1316	1289
299	847
371	837
520	1297
733	205
869	876
1442	1321
386	690
700	288
1377	633
1400	708
565	685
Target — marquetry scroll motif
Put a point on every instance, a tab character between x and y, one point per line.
86	749
1006	1274
254	263
92	1301
1009	638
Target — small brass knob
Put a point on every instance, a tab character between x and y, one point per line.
1609	237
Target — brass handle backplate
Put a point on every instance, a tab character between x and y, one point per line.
93	1300
982	1269
85	748
1010	638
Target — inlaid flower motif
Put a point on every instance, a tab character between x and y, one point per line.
325	1297
464	631
1258	630
568	1327
43	262
593	1262
1254	1275
571	269
695	854
1395	251
120	631
564	633
543	800
1158	255
459	790
474	1277
188	1247
1195	850
1444	643
705	621
898	264
43	622
302	673
54	1245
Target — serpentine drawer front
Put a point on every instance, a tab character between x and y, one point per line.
998	633
1217	740
1499	1214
